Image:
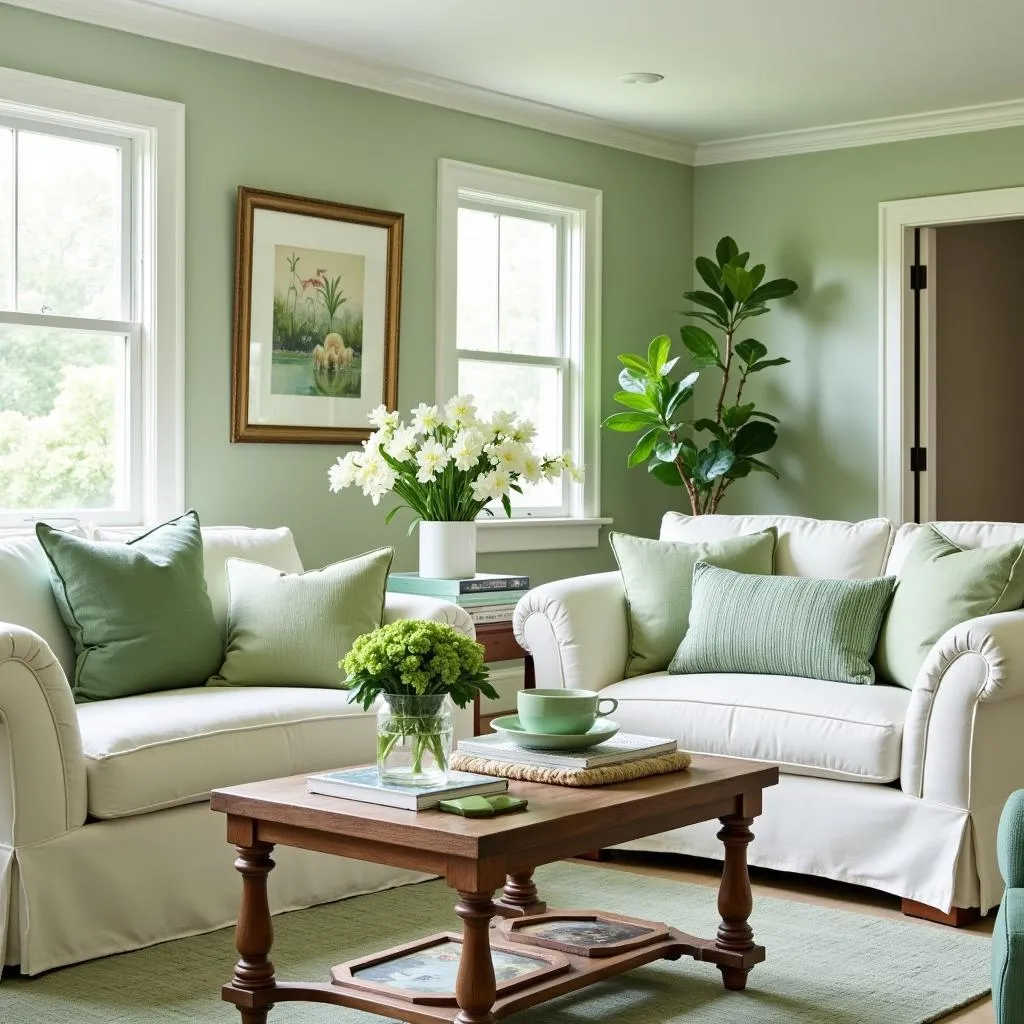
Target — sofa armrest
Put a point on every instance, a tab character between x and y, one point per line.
414	606
576	630
961	742
42	768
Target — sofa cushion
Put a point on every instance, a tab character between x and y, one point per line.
657	576
292	629
964	535
819	548
157	750
806	726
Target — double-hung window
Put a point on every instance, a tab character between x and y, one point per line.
90	346
518	329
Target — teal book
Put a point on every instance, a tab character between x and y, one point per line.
364	784
489	599
481	583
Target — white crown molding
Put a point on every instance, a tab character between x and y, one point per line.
1008	114
172	26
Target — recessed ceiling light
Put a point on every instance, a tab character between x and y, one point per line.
641	78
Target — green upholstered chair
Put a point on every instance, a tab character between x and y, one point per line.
1008	936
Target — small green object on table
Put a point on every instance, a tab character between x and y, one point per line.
512	729
483	806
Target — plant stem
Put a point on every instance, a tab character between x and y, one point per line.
725	374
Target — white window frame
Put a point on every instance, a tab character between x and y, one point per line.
577	210
151	134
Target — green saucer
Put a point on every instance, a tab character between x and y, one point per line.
511	728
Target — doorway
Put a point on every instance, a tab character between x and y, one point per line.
952	357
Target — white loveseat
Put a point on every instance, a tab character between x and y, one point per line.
895	789
107	842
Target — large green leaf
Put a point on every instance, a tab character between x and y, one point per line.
658	351
777	289
757	274
708	318
629	381
631	400
667	451
725	250
709	272
739	282
712	428
715	461
682	392
753	438
765	363
740	468
734	416
644	447
765	415
762	467
709	301
740	260
704	347
636	363
750	350
666	472
669	366
627	421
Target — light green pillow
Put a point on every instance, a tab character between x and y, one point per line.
657	574
292	629
783	625
138	613
941	585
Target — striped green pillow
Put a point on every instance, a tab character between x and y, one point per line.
783	625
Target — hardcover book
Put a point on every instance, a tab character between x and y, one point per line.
619	749
482	582
489	597
364	784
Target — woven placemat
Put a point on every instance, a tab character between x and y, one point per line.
607	774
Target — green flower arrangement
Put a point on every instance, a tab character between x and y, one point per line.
408	662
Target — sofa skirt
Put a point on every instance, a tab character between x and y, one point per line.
871	835
113	886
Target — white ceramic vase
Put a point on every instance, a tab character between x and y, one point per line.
447	550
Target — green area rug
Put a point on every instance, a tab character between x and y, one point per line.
823	965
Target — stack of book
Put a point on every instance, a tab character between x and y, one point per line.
364	785
618	750
488	597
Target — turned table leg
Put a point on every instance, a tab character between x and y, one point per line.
734	899
520	898
475	986
254	933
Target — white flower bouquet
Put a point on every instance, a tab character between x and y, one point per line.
448	466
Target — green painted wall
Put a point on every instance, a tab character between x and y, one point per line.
815	218
259	126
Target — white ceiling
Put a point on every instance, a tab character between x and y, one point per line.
732	69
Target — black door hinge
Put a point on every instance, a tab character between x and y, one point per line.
918	278
918	460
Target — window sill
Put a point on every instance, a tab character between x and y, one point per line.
537	534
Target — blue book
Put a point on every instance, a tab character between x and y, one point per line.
364	784
481	583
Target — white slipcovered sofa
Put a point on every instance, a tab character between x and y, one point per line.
107	842
895	789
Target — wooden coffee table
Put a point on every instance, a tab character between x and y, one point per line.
541	954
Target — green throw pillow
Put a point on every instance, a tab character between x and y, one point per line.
138	613
292	629
941	585
657	575
783	625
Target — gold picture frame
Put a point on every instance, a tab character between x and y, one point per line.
316	313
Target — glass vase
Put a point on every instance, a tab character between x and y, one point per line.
414	739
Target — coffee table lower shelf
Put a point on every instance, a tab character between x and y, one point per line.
539	958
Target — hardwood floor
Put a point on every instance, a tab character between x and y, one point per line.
800	888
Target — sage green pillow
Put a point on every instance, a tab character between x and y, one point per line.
138	613
292	629
657	575
783	625
941	585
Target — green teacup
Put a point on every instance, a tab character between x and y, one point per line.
561	712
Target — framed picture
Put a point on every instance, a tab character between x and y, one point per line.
317	295
592	933
425	971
